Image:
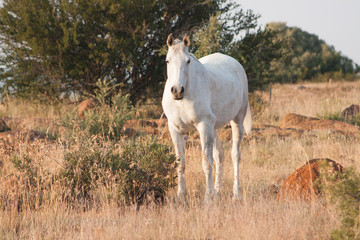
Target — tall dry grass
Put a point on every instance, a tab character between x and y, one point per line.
265	163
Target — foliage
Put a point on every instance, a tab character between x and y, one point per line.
148	170
256	51
309	57
144	169
56	47
60	48
87	168
142	172
106	119
344	190
352	119
207	39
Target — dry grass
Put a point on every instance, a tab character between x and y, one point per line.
265	163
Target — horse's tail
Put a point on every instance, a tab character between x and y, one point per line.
247	120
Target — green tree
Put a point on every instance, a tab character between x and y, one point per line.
51	47
308	56
256	51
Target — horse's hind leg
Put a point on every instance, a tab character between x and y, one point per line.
237	134
218	154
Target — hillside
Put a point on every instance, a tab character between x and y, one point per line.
308	57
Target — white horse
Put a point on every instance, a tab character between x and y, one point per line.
204	95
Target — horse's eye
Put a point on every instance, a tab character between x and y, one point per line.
188	61
167	61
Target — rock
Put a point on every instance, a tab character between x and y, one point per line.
261	132
351	111
149	126
301	87
86	105
296	121
301	184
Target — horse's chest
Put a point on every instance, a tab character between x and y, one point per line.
182	121
183	126
183	118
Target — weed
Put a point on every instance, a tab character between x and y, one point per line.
106	119
351	119
344	191
148	170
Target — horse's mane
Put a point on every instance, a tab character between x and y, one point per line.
193	56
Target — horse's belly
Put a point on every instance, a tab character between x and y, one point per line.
226	109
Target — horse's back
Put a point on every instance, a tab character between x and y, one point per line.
219	64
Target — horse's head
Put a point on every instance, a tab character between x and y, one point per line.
178	62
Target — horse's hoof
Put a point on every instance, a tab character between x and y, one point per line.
237	198
181	198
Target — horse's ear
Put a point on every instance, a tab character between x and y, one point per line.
170	40
186	40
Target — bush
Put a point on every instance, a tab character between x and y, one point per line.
355	119
85	168
111	111
148	170
344	191
144	169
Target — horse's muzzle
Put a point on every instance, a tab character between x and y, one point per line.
177	94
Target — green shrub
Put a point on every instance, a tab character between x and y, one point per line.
148	170
355	119
106	119
85	168
344	191
144	169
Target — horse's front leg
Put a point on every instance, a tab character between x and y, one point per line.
179	144
206	131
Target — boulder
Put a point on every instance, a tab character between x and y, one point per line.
297	121
353	110
86	105
302	183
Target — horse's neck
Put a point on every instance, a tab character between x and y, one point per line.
200	69
197	77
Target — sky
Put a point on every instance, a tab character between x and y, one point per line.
337	22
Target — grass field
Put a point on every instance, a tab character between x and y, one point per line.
266	161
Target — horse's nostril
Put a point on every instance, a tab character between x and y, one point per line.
182	90
173	90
